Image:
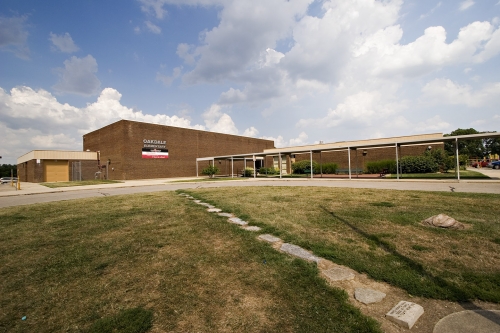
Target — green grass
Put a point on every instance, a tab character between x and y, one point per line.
99	264
464	174
198	180
79	183
378	232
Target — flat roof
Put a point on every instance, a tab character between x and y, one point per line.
58	155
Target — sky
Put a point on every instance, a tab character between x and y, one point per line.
293	71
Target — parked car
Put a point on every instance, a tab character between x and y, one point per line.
5	180
494	165
480	164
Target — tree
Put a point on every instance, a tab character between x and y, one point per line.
492	145
5	170
210	171
471	148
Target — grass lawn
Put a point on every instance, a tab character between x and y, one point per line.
464	174
198	180
79	183
378	232
159	262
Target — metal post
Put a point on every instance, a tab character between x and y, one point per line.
349	158
232	167
311	152
397	162
254	171
279	163
197	175
321	164
458	163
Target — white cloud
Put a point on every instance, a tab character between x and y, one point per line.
251	131
154	7
447	92
78	76
13	36
152	27
167	80
279	142
34	119
63	43
300	140
434	124
429	13
217	121
464	5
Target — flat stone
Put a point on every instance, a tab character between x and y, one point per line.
252	228
339	274
214	210
206	205
405	314
225	214
269	238
298	252
477	321
237	220
197	201
443	221
368	296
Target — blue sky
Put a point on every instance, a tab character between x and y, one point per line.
296	71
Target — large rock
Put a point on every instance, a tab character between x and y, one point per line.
443	221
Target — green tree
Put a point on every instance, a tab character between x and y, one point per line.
6	168
210	171
471	148
492	145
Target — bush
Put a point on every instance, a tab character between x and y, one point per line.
328	168
248	172
418	164
379	166
268	171
210	171
304	167
442	159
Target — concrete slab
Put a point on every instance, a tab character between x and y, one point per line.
251	228
237	220
298	252
470	321
214	210
225	214
339	274
269	238
405	314
368	296
197	201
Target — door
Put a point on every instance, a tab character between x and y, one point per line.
55	171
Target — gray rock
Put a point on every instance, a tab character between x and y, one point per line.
269	238
237	220
477	321
252	228
298	252
339	274
225	214
368	296
405	314
443	221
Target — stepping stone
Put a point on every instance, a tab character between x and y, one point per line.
237	220
197	201
339	274
368	296
206	205
269	238
477	321
405	314
298	252
214	210
225	214
252	228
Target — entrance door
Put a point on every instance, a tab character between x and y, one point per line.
55	171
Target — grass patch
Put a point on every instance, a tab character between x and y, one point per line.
80	183
362	229
464	174
198	180
82	265
135	320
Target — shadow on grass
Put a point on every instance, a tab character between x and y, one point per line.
455	293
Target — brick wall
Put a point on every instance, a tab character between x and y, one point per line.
122	144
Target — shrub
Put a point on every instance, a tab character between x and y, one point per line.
379	166
441	158
417	164
328	168
210	171
248	172
303	167
268	171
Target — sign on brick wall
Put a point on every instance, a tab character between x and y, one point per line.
154	153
